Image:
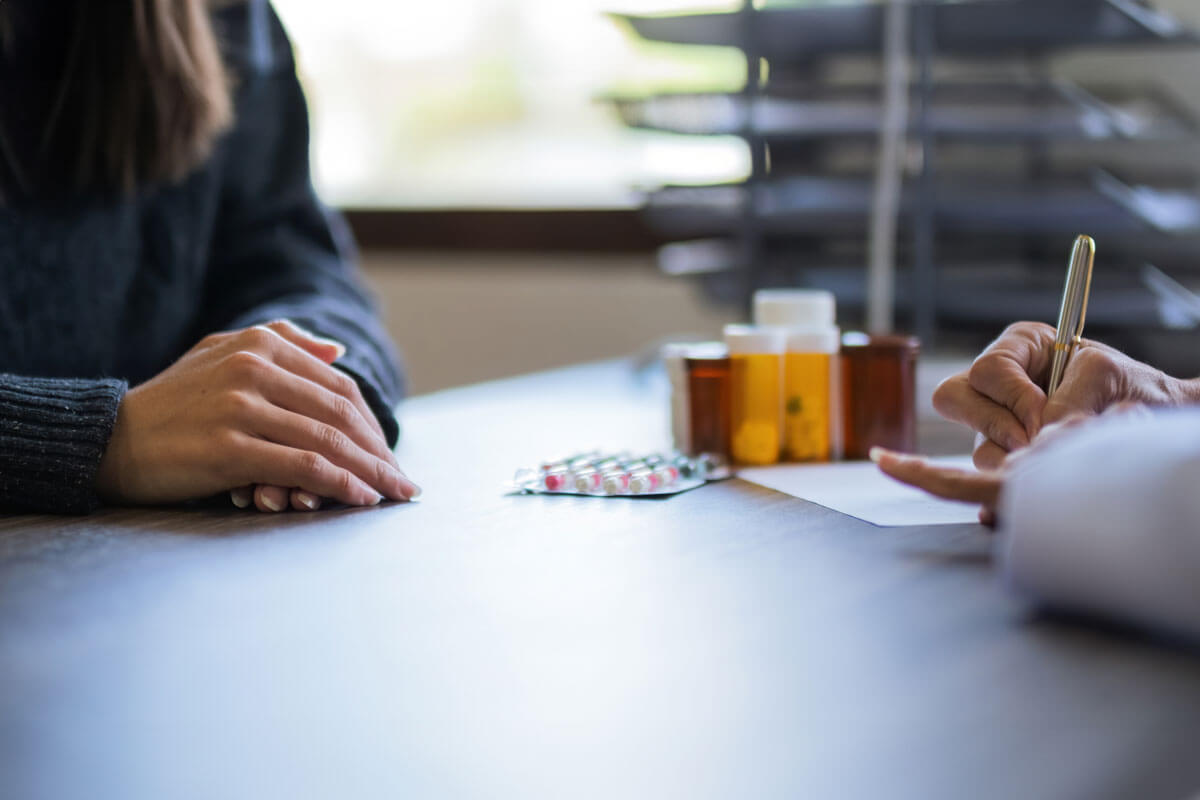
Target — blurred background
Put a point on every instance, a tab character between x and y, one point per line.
540	183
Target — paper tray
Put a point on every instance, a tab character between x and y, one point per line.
969	29
832	205
986	113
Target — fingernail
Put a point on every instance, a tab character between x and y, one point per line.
309	501
270	502
416	491
334	343
402	486
876	453
242	498
341	348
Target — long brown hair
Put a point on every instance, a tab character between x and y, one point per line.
142	97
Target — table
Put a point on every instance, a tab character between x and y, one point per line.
728	642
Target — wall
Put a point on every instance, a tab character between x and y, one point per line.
462	318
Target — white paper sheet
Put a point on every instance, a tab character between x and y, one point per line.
859	489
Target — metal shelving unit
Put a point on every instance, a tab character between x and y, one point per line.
787	34
802	215
1001	112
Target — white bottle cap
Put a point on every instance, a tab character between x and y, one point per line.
748	340
794	308
814	340
674	350
706	350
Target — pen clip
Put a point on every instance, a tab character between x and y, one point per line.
1083	256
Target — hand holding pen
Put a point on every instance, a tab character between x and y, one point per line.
1002	398
1000	390
1005	397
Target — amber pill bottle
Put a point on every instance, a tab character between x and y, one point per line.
756	399
879	393
700	397
709	398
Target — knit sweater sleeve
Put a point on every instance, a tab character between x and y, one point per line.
278	252
53	433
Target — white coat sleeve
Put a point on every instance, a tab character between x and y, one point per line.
1107	522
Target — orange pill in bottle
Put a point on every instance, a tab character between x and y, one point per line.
809	367
756	393
810	359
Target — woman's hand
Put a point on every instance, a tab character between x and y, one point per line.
253	407
1002	398
278	498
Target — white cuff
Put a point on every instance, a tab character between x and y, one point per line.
1107	522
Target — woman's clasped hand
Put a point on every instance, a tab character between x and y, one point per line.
260	412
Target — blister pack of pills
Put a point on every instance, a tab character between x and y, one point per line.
599	474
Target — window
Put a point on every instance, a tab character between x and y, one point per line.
496	103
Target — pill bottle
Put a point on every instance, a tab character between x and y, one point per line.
756	399
809	368
709	382
700	397
879	393
674	358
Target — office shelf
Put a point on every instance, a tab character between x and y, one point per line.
986	208
841	206
996	294
1060	111
980	29
983	292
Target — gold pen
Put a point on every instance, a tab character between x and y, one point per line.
1073	310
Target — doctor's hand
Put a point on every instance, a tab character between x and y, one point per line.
252	407
980	488
983	487
1002	396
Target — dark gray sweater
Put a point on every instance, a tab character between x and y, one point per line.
99	294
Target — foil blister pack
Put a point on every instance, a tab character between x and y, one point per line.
599	474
